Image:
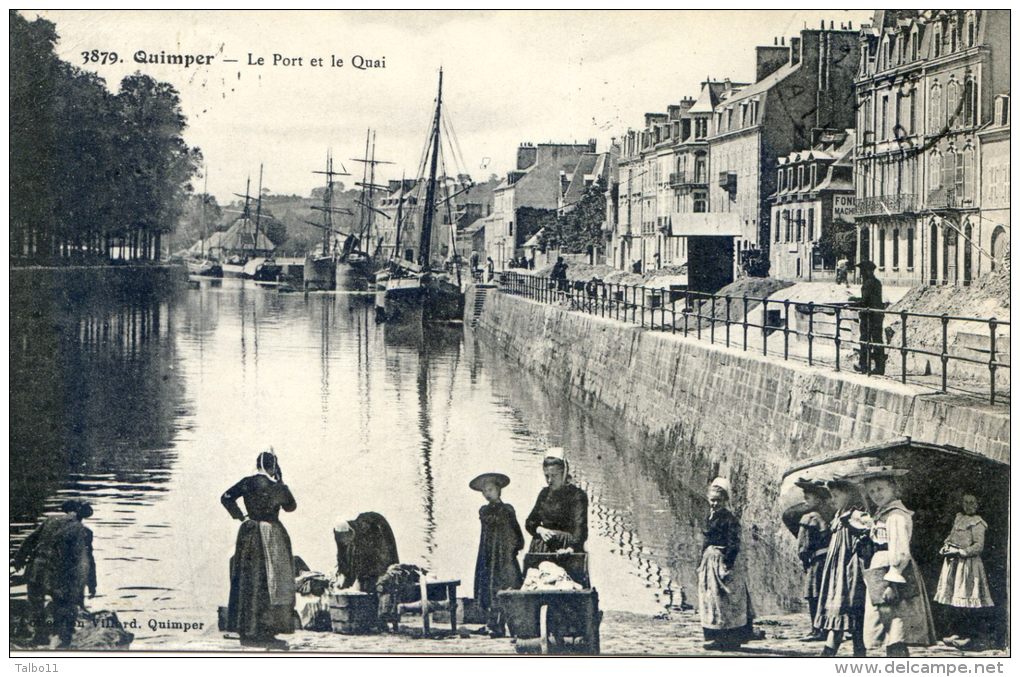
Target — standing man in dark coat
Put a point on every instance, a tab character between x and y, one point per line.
872	339
496	567
365	549
60	564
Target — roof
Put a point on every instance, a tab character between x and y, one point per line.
533	240
586	166
707	100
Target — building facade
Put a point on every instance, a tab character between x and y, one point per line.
535	186
707	167
994	152
800	87
814	201
926	86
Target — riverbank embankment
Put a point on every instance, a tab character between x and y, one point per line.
708	410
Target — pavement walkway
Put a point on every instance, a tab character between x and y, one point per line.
622	634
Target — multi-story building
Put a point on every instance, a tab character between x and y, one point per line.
814	199
925	87
797	88
534	187
994	152
663	175
706	168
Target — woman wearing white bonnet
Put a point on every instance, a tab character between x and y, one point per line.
559	520
724	602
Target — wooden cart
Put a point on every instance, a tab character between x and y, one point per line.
555	621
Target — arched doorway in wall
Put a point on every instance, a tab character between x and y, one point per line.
933	258
968	252
950	245
999	242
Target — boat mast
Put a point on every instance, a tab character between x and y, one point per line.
400	218
205	198
258	216
425	246
327	207
327	202
371	204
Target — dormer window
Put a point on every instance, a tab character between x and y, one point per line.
915	43
937	43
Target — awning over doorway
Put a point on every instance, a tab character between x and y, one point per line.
708	224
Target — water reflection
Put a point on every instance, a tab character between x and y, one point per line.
152	407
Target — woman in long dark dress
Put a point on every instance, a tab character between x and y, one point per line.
365	549
723	599
559	520
262	568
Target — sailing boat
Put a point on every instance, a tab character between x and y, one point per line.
245	262
204	265
424	288
360	252
320	269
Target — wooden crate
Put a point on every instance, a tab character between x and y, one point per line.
353	612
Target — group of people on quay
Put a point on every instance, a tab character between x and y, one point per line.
262	572
860	578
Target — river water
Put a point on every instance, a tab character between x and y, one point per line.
152	407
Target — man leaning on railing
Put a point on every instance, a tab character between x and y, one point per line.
872	339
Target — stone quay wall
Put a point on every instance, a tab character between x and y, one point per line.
705	410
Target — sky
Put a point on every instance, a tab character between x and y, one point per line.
509	77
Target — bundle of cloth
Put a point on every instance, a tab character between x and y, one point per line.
399	585
549	576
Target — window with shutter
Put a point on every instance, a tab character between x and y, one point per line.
949	169
935	171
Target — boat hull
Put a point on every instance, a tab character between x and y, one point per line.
432	299
320	273
355	274
205	268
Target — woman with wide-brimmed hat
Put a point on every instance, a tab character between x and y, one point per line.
896	612
496	567
841	590
559	520
262	592
724	602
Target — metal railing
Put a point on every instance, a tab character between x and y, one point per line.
688	179
823	333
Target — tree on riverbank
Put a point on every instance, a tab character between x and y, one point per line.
94	175
579	230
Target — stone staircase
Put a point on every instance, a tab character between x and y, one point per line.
481	293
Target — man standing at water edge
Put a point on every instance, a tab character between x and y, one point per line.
59	564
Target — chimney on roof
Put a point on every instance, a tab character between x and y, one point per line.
832	25
850	25
782	40
769	59
591	145
527	155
